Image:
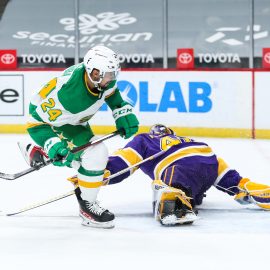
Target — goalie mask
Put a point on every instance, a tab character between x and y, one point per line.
159	130
105	61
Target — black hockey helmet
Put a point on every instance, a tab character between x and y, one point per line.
159	129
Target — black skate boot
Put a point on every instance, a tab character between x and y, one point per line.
92	214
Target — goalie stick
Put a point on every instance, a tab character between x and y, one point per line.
72	192
75	150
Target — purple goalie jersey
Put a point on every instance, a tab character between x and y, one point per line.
186	164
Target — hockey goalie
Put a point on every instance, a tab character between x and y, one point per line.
182	174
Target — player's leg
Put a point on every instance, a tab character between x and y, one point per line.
193	176
171	206
90	179
90	164
243	190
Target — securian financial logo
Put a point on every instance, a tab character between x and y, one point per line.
89	24
94	30
107	28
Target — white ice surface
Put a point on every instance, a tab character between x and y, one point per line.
228	235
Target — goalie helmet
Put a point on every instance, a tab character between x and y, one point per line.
103	59
159	129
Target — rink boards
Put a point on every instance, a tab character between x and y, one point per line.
196	103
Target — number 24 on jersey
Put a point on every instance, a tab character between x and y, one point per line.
49	108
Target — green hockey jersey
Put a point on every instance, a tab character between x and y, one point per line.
66	102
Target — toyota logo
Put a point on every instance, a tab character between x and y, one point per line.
267	58
8	58
185	58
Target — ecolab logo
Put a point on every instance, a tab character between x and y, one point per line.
11	95
172	97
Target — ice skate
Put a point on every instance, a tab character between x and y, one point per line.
93	215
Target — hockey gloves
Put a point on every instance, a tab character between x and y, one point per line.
126	121
57	150
251	192
34	155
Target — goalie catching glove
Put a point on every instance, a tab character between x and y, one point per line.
250	192
57	150
125	120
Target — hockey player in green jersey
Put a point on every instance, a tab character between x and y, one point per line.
59	115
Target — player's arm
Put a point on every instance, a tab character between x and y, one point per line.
43	134
123	114
39	130
45	112
123	158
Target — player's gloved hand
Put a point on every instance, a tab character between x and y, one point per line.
251	192
57	150
126	121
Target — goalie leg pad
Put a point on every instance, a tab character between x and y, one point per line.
171	205
251	192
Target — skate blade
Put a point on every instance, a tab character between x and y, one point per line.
94	224
172	220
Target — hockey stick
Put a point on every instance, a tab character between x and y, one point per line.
36	205
75	150
33	206
135	165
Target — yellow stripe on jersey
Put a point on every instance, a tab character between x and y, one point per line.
48	88
129	155
170	183
190	151
31	125
89	184
223	168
